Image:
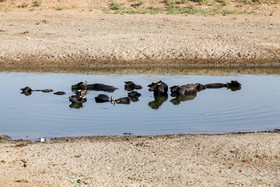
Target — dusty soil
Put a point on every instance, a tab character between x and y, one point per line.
77	37
250	159
90	39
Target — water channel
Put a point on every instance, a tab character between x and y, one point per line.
255	107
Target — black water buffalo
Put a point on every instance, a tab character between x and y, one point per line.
122	100
215	85
101	87
26	91
80	86
101	98
129	85
159	88
96	87
134	96
233	83
59	93
183	90
158	101
200	86
78	98
81	92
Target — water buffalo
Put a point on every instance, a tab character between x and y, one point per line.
159	88
183	90
129	85
122	100
101	87
233	83
80	86
78	98
45	90
200	86
96	87
134	96
101	98
59	93
215	85
26	91
81	92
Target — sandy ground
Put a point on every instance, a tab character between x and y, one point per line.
250	159
90	39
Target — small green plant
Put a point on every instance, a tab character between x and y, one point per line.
248	2
140	2
106	11
184	1
115	6
225	2
36	3
59	8
156	10
169	2
23	5
31	9
203	2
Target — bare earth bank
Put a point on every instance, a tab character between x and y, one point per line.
90	39
250	159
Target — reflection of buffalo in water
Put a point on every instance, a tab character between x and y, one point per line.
178	99
96	87
122	100
158	101
183	90
76	105
159	88
129	85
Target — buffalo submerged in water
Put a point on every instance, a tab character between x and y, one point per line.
96	87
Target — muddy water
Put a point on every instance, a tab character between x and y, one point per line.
255	107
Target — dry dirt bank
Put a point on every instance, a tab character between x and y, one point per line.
90	39
250	159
